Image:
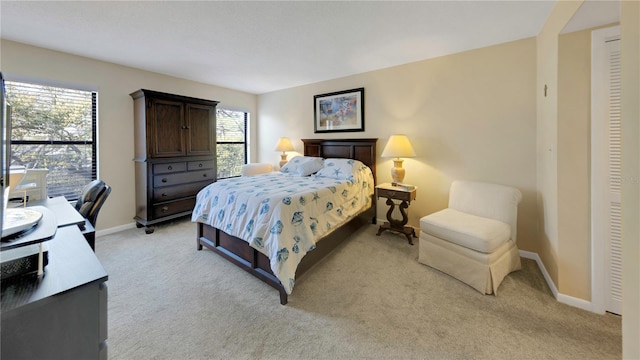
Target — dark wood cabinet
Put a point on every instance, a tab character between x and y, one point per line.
61	314
174	154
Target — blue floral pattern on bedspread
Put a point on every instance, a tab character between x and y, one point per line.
283	215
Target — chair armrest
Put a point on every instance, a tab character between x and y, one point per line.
256	169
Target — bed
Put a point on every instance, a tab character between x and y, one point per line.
254	259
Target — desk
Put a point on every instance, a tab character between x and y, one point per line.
45	230
61	315
67	215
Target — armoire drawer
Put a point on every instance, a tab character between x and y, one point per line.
182	178
200	165
173	207
179	191
169	168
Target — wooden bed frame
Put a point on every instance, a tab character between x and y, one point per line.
240	253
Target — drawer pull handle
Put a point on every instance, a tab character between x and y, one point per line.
164	195
164	180
204	175
165	208
200	165
170	167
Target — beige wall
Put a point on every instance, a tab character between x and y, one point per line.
115	110
630	50
574	164
547	133
559	245
469	116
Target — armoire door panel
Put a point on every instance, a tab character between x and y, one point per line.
199	129
168	133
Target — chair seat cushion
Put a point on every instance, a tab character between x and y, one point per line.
474	232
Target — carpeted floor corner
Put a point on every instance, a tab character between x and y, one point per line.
369	299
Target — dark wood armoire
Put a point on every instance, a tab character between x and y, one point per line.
175	154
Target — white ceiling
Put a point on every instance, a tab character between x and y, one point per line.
265	46
594	13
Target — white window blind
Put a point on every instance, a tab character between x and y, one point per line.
54	128
231	142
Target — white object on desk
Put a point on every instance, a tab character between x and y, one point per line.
21	219
28	183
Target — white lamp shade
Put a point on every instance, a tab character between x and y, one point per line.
284	144
398	146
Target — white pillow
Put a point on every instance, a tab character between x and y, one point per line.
303	165
340	169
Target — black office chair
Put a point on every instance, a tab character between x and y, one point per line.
93	196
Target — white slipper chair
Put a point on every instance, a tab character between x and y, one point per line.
474	239
256	169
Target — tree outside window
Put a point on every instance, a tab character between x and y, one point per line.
54	128
231	139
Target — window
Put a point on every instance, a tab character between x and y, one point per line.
231	142
54	128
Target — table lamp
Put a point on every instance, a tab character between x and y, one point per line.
398	147
284	145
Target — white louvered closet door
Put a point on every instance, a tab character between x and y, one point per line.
614	248
606	172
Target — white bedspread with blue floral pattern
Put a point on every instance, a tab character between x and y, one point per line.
283	215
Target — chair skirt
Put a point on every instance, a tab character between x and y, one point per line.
483	272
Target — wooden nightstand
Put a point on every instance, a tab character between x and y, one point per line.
392	193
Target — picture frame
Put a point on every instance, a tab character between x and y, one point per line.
341	111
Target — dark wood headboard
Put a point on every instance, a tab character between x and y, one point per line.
359	149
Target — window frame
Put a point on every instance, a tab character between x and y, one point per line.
245	142
94	130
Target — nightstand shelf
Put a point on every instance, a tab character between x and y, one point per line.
405	197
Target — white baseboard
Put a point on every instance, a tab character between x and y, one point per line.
547	277
115	229
565	299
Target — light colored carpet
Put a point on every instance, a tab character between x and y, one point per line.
370	299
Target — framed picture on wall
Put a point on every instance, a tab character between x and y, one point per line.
339	111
